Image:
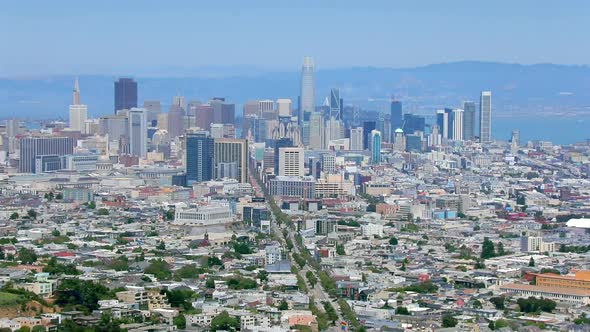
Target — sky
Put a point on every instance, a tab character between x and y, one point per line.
106	36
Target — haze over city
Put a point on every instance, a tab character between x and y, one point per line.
294	166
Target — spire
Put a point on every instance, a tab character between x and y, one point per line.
76	92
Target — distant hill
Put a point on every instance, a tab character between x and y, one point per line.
523	89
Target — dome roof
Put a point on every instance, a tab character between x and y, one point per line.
399	130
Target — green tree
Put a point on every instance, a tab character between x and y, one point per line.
102	212
283	305
225	322
80	294
180	298
449	321
27	256
39	328
160	269
262	275
532	262
487	249
498	302
190	271
14	216
169	215
533	304
393	241
180	321
479	264
91	205
210	283
32	214
500	251
401	311
340	250
161	245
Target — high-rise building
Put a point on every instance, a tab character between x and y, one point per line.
33	147
334	131
291	161
223	112
125	94
231	159
251	108
485	117
204	116
278	144
138	132
469	120
266	109
356	139
457	124
443	121
375	146
78	111
413	123
199	157
316	131
396	115
176	120
284	107
335	104
368	127
307	97
153	108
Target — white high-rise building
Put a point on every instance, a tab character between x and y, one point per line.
458	124
485	117
356	139
291	161
284	107
307	98
78	111
316	131
138	132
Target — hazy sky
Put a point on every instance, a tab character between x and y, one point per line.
92	36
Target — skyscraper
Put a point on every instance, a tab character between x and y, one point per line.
291	162
284	107
278	144
78	112
31	148
125	94
199	157
356	139
154	108
223	112
176	120
469	120
375	146
396	115
231	158
413	123
316	130
266	109
485	117
307	101
368	126
457	124
138	132
335	104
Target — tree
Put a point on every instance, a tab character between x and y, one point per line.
262	275
210	283
160	269
532	262
39	328
180	321
283	305
340	250
500	251
393	241
479	264
161	245
169	215
80	294
32	214
533	304
27	256
487	249
311	278
103	212
91	205
498	302
224	321
402	311
180	298
190	271
449	321
14	216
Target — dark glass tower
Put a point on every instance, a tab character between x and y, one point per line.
396	115
368	126
199	157
125	94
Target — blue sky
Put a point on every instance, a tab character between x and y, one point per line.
114	35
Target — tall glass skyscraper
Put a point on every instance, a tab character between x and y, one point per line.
199	157
469	120
485	117
396	115
335	104
307	98
375	146
125	94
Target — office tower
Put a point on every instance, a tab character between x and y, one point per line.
176	120
328	163
399	140
204	116
78	111
284	107
278	144
179	101
396	115
413	123
515	141
413	143
291	162
457	124
231	158
469	120
138	132
335	104
125	94
154	108
334	130
199	157
31	148
375	146
191	113
307	102
442	121
113	126
251	108
368	126
163	121
485	117
435	137
225	130
316	131
356	139
266	109
12	127
223	112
